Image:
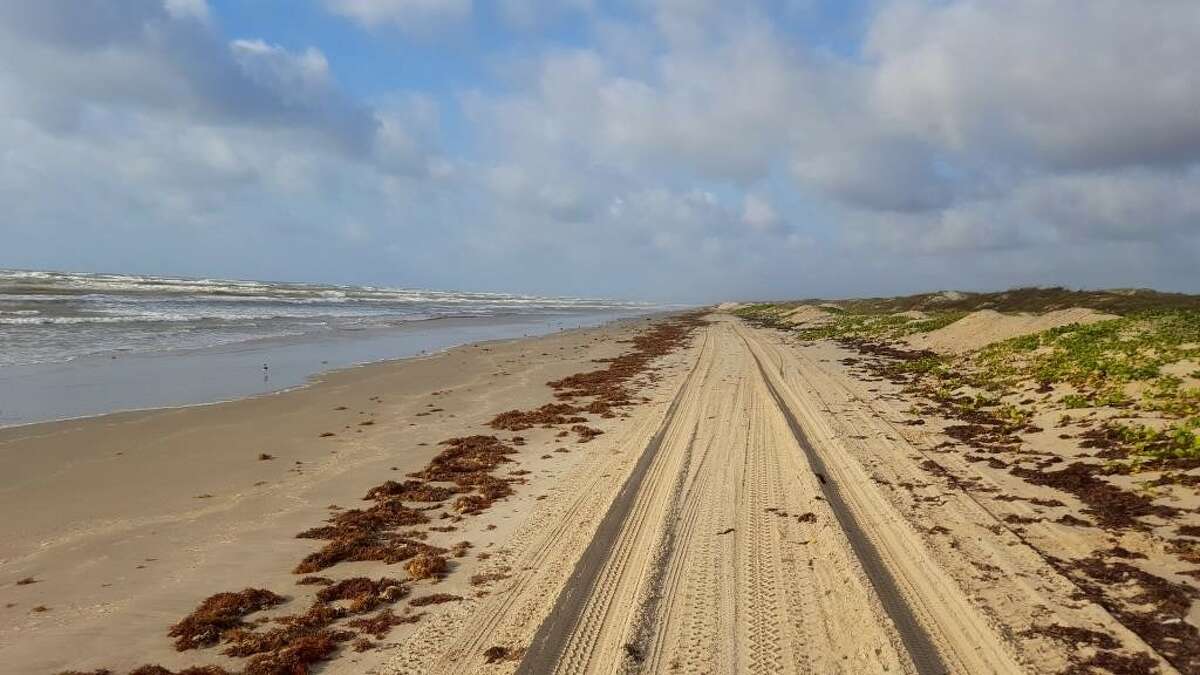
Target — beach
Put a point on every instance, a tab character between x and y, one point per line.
126	521
77	345
697	492
596	337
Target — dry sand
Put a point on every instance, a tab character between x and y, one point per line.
766	521
979	329
808	315
765	510
127	521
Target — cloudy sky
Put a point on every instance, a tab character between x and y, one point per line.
684	150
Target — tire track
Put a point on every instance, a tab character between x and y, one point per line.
940	626
699	570
521	594
690	576
757	580
569	613
543	551
916	639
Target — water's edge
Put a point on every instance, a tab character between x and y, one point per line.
95	386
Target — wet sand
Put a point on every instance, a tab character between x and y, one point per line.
108	383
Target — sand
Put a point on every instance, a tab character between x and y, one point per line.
979	329
808	315
767	508
704	537
127	521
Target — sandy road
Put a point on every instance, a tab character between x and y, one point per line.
746	544
725	529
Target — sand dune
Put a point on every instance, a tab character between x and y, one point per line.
984	327
807	315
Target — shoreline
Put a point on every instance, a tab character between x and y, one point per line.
176	379
126	521
312	380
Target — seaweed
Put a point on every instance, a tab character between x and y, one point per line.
360	547
160	670
217	614
1074	635
384	515
547	415
434	599
364	593
585	432
486	578
314	581
291	630
497	653
1113	662
468	463
410	491
426	566
610	387
362	645
1111	506
379	625
1157	612
297	657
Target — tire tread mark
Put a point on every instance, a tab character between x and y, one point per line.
556	630
917	642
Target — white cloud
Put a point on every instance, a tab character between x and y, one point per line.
294	77
688	149
758	214
947	140
1080	84
1123	204
192	9
404	13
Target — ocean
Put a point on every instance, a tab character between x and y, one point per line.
76	344
59	316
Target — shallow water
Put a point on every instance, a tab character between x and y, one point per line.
94	385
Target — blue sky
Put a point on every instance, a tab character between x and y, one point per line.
688	150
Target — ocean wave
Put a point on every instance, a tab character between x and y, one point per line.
46	285
56	316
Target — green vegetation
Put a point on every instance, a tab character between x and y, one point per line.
764	314
1073	401
1035	300
1177	441
1119	363
848	324
1100	360
925	365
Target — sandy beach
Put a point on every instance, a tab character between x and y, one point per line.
666	495
599	337
127	521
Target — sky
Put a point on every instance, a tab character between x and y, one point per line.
667	150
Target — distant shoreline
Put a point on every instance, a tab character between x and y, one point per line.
95	386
